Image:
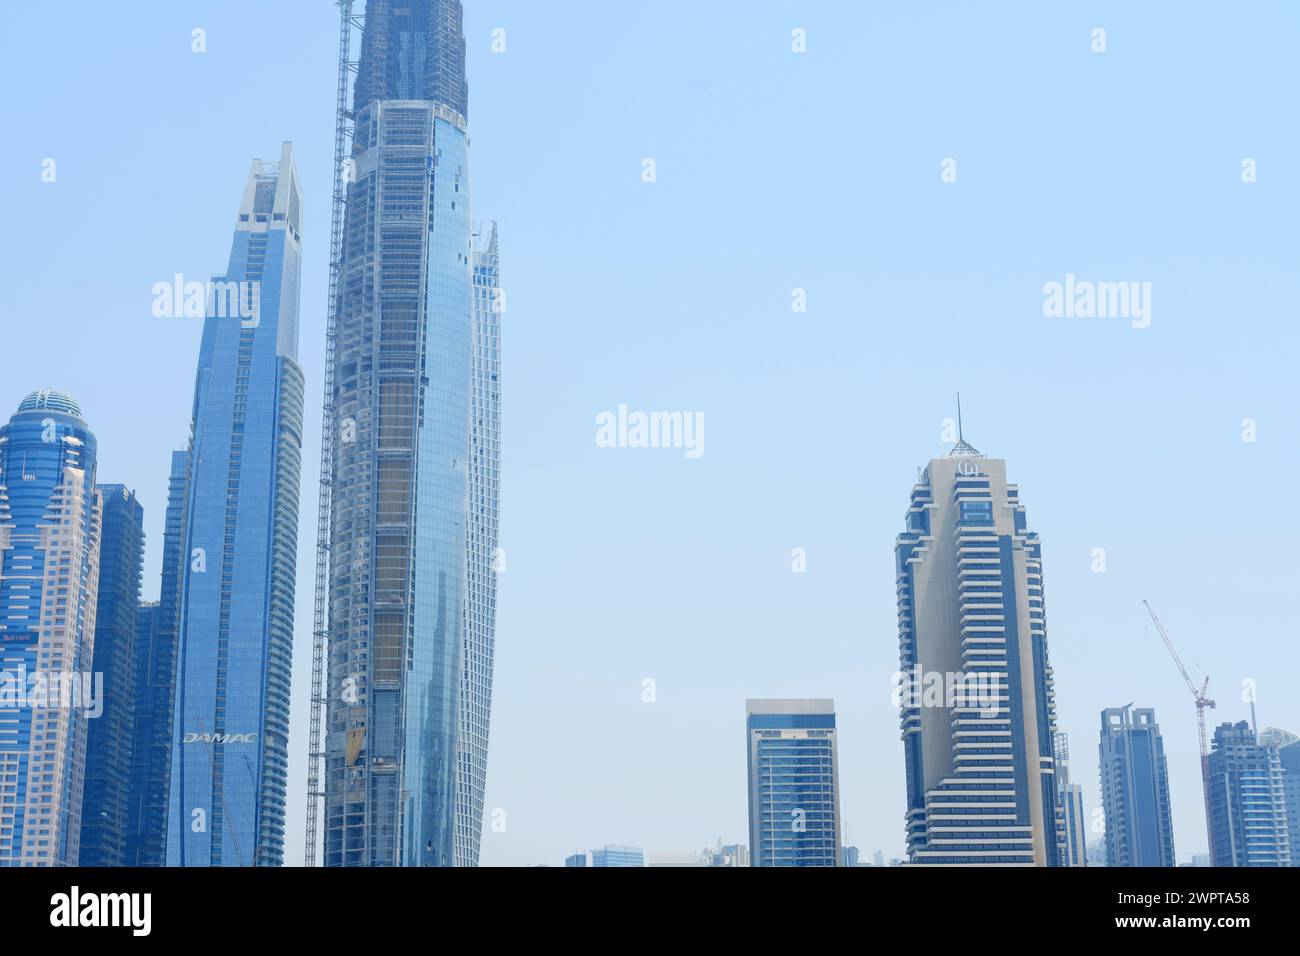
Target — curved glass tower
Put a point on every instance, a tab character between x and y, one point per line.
49	579
483	559
240	528
403	459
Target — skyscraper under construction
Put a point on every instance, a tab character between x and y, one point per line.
406	564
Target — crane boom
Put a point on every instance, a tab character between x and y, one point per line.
1173	653
1203	701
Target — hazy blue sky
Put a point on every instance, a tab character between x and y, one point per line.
776	170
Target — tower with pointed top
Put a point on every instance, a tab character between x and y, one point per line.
239	524
977	707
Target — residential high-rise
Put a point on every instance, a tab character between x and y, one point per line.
977	707
409	600
49	580
240	525
1073	845
1288	752
1135	789
794	792
105	808
154	687
1247	800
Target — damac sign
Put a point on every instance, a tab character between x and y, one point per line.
219	738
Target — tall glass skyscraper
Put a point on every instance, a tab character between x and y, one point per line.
794	789
1135	789
414	473
1247	801
240	525
105	810
482	557
154	687
977	707
49	580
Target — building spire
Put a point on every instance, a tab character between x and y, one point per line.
963	449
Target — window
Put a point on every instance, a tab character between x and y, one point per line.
976	512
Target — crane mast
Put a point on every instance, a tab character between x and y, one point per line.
343	130
1203	701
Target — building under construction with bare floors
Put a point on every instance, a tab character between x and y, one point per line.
407	554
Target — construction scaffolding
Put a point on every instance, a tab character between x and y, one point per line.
343	130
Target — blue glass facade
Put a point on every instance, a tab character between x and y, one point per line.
482	556
618	855
104	813
1135	789
230	731
49	575
794	807
399	549
155	687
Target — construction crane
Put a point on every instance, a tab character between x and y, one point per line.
344	128
1203	701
